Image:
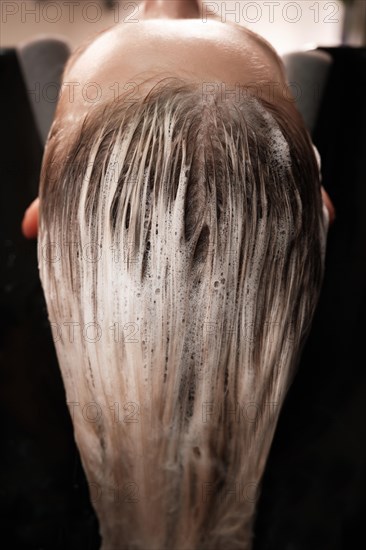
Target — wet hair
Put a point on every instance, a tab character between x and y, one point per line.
181	252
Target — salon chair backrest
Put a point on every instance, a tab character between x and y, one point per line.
42	61
307	73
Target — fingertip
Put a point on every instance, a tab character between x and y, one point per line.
329	205
29	225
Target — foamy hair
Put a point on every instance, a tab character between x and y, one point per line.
209	220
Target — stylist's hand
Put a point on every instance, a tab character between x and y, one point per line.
30	221
330	206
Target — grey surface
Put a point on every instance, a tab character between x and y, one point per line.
307	74
42	61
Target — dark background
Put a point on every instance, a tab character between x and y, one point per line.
313	494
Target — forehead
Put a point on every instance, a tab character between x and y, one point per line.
205	44
121	58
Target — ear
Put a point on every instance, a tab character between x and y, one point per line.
330	206
30	220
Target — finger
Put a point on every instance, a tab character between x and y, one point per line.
330	206
30	220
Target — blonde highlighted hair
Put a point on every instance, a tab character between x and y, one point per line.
188	234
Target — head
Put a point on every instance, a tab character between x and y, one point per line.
182	241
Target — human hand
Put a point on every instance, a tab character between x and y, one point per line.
30	220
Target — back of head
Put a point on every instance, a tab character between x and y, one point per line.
181	239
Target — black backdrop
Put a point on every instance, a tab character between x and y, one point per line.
313	494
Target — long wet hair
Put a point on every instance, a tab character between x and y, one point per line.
181	251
